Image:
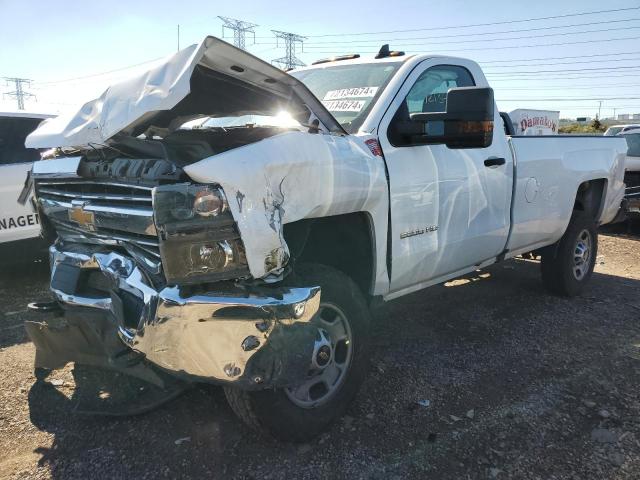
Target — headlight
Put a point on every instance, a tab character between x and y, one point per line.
209	203
184	202
199	241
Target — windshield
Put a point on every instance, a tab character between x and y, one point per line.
613	131
348	91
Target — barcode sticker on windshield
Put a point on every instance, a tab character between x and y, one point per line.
344	105
357	92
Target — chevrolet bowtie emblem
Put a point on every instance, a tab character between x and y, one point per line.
82	217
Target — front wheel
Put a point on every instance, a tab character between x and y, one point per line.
337	365
568	265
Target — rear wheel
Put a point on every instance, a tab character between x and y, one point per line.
337	365
568	265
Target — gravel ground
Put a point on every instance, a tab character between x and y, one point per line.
486	376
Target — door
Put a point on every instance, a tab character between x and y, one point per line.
450	208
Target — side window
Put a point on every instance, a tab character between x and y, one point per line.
427	95
633	143
13	132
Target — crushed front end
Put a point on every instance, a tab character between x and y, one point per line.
148	269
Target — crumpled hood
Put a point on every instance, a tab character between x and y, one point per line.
213	78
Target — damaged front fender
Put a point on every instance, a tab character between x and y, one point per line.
295	176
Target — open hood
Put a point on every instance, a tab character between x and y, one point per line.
213	79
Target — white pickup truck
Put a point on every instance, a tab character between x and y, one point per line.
19	227
223	221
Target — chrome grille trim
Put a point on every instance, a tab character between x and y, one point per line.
121	214
92	196
138	220
71	182
120	210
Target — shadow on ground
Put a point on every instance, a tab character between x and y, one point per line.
21	282
504	368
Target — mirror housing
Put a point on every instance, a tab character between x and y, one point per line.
467	122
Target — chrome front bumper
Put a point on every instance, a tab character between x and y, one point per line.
254	338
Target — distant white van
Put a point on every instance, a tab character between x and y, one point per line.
18	223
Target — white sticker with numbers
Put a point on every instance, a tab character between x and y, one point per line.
356	92
344	105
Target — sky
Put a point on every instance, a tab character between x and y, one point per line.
73	50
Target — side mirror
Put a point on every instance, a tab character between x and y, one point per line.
467	122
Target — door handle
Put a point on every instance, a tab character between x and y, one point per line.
494	162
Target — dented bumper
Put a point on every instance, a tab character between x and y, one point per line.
254	338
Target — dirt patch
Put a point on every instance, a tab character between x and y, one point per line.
487	376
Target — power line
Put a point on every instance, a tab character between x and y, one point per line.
574	87
240	29
559	34
569	76
290	40
564	58
598	69
580	107
558	63
510	46
19	93
565	99
473	34
99	74
479	24
599	55
537	80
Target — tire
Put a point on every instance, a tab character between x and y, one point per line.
283	413
563	273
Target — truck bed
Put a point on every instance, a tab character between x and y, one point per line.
548	171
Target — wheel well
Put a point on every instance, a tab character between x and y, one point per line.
589	197
344	242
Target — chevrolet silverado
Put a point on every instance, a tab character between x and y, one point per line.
219	220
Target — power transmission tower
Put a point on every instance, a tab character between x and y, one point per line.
289	60
19	93
240	29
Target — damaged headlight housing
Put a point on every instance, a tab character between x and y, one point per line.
199	240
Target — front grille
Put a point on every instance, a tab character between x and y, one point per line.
99	193
119	194
109	213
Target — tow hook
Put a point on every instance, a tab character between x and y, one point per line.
45	307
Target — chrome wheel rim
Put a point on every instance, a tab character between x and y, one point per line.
582	255
330	360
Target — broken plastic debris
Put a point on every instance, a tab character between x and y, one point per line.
180	441
424	403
